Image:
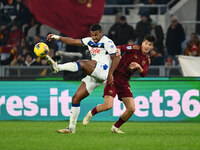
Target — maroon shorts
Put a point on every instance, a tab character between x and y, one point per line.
121	88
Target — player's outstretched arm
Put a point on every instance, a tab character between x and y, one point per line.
66	40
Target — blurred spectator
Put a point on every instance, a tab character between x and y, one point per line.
23	14
143	28
36	40
175	36
32	29
157	32
30	60
44	71
23	45
20	59
32	22
4	35
169	61
25	51
193	46
52	45
112	33
44	62
125	32
16	35
52	53
7	54
5	18
156	57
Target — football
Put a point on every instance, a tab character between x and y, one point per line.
41	49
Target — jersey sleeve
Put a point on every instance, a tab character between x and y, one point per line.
110	47
85	41
128	48
145	67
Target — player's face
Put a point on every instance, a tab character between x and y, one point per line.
96	35
146	46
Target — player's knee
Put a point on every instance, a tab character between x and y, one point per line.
131	110
75	99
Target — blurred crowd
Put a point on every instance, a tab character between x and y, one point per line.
20	31
167	46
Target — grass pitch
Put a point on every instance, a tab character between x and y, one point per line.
15	135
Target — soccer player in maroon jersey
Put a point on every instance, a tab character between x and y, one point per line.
135	58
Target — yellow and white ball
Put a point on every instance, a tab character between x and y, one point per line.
41	49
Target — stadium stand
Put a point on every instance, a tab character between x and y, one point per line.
20	31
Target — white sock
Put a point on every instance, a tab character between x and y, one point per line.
73	117
71	66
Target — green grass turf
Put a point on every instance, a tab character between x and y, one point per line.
29	135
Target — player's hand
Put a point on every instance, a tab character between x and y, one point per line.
134	65
118	52
52	37
110	79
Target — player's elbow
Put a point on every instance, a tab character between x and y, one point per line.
142	74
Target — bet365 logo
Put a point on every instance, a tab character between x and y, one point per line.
170	105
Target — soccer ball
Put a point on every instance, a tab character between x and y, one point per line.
41	49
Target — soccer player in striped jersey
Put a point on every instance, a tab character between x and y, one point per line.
99	69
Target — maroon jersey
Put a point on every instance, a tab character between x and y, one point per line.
122	73
133	53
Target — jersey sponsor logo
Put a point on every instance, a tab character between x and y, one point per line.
95	51
110	91
128	47
135	56
143	62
